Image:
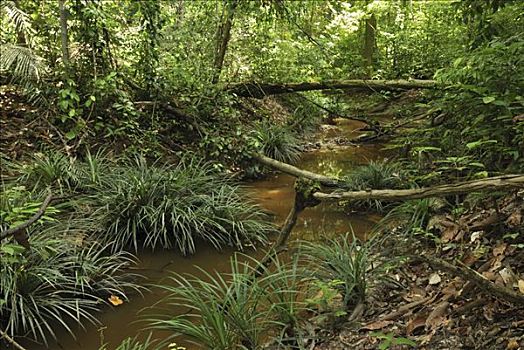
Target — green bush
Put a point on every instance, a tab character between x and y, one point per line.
173	206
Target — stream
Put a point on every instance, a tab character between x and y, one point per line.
275	193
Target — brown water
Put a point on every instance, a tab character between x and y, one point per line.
275	194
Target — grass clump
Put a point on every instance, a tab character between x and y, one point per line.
412	216
376	176
235	311
342	263
55	283
173	206
278	142
62	279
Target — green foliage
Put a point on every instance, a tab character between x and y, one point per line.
412	215
482	107
389	340
237	311
49	169
344	260
171	206
277	142
375	175
133	344
62	280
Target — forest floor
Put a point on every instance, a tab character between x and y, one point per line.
431	307
444	311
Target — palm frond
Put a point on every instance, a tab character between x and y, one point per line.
21	63
17	17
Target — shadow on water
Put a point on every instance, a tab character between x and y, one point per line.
275	193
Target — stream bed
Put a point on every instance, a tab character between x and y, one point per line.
275	193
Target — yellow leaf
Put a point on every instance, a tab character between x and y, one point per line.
521	286
115	300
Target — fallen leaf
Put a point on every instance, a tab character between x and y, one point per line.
507	275
437	316
449	233
415	323
514	220
475	235
490	275
499	249
115	300
434	279
513	344
521	286
377	325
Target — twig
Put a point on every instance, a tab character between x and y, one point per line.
405	308
6	336
474	277
30	221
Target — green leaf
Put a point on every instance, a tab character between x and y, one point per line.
404	341
488	99
70	134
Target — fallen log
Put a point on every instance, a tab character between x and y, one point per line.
490	183
294	171
257	90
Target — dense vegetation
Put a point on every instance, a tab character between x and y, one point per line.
139	118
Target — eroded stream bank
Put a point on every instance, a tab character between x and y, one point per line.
275	193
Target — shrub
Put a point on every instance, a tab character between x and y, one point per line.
172	206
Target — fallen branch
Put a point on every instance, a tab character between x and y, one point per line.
304	190
405	308
257	90
13	342
292	170
19	231
468	274
490	183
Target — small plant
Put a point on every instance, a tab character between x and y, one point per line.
135	344
412	215
170	206
389	340
237	311
49	169
375	175
344	260
277	142
225	312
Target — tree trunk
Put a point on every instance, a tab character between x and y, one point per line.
222	39
369	44
63	35
260	90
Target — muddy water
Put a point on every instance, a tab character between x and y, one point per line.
275	194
